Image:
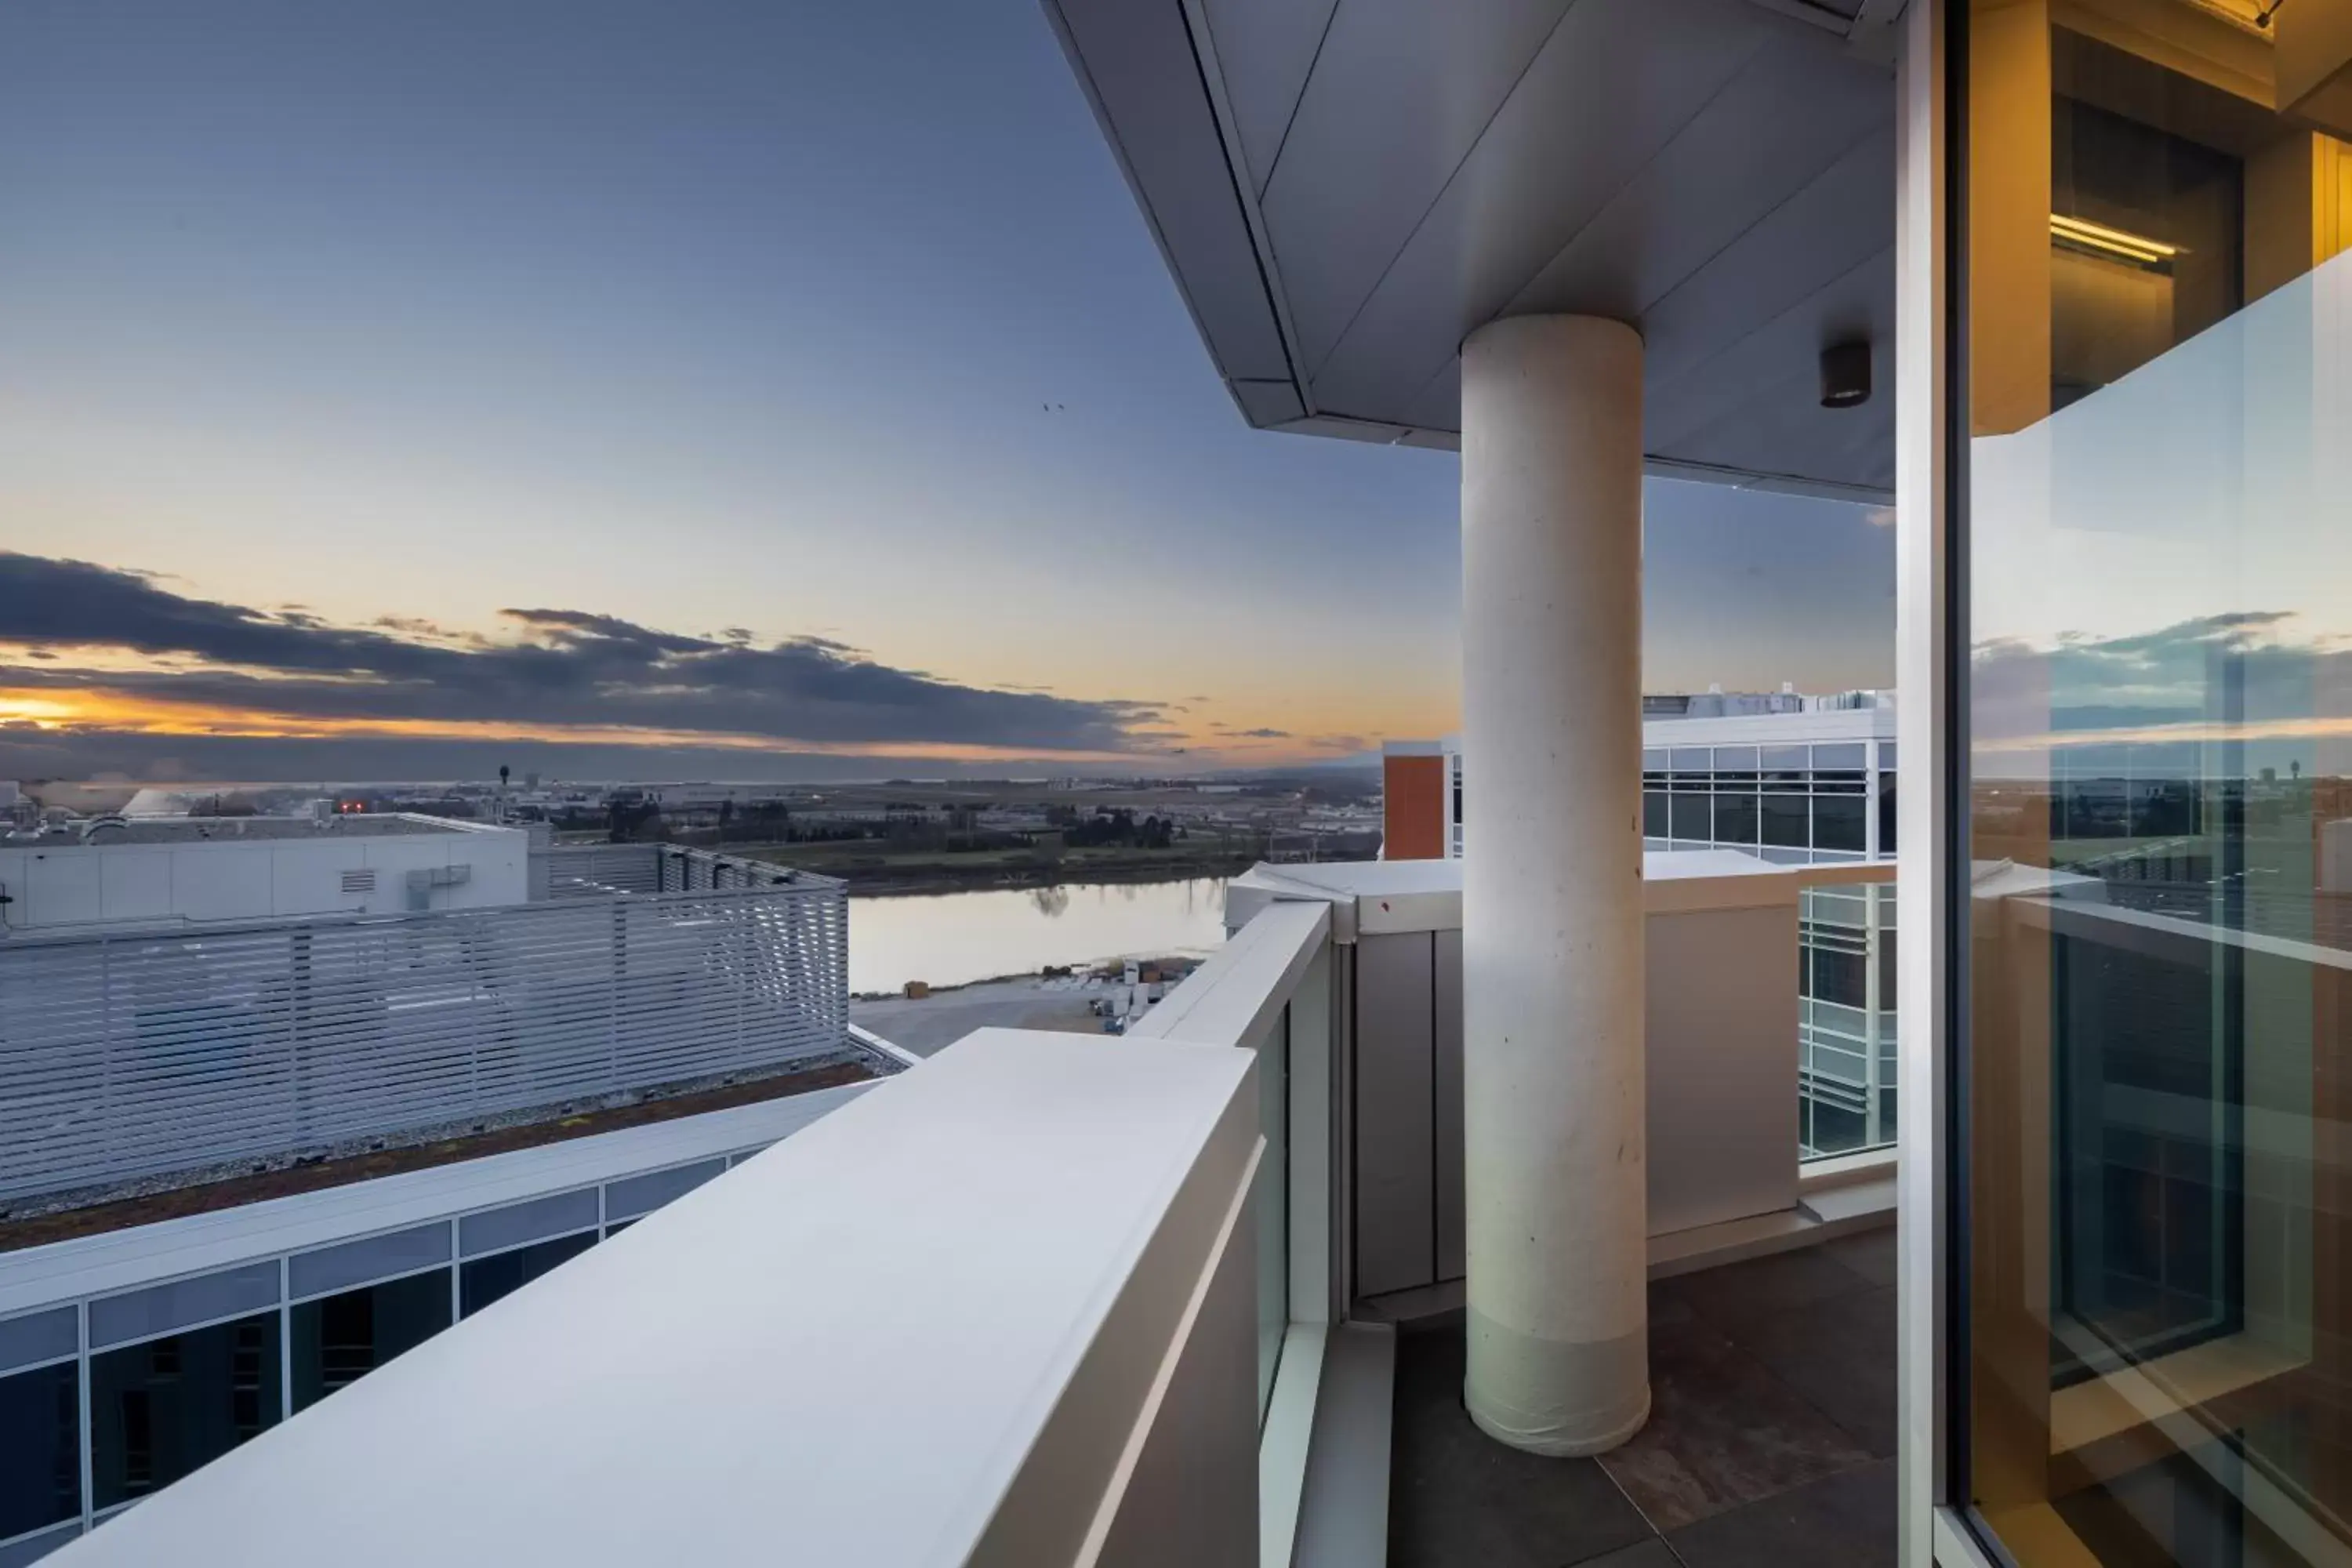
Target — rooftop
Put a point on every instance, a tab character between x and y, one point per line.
106	832
35	1224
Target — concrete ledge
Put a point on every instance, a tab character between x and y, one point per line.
1343	1514
1842	1211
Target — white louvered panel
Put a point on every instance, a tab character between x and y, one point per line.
134	1055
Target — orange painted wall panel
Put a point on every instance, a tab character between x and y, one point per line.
1413	817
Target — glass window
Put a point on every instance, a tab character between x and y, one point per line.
1692	759
160	1408
1653	814
1845	754
40	1447
643	1194
39	1336
1835	975
497	1229
483	1280
339	1339
2158	364
137	1314
1841	821
1735	759
1886	839
1786	821
1735	819
1692	818
372	1257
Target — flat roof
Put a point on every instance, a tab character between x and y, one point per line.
70	1269
245	829
273	1180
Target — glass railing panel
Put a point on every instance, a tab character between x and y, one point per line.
2159	1250
1845	1018
1271	1203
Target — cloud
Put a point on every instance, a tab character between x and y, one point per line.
1252	734
2247	674
561	668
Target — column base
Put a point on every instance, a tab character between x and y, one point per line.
1560	1447
1589	1398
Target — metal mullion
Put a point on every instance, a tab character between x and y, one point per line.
89	1465
285	1340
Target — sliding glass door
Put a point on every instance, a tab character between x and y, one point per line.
2157	1072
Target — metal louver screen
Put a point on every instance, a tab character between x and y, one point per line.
131	1055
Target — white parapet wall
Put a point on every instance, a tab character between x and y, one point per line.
236	869
1721	1032
998	1310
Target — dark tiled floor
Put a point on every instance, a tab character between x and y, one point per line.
1772	1384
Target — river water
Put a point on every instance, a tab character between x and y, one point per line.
950	938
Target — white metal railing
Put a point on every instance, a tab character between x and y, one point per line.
135	1053
994	1310
1271	990
599	870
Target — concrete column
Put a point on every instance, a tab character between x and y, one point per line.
1552	905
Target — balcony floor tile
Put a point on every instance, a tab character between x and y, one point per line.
1772	1383
1839	1355
1871	1254
1723	1432
1848	1518
1457	1496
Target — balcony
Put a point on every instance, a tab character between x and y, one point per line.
1192	1295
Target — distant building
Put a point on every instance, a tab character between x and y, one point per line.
116	870
1415	812
1788	778
283	1097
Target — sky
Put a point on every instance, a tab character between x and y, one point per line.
741	390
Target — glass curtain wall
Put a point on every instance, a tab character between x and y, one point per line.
2157	1068
1807	804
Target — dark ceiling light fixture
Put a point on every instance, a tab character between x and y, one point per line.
1846	375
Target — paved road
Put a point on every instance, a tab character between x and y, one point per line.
946	1016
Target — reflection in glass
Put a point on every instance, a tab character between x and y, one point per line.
2159	907
41	1434
482	1280
160	1408
338	1340
1845	1019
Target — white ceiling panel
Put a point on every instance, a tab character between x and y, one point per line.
1611	87
1264	49
1794	109
1400	94
1720	173
1159	122
1840	219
